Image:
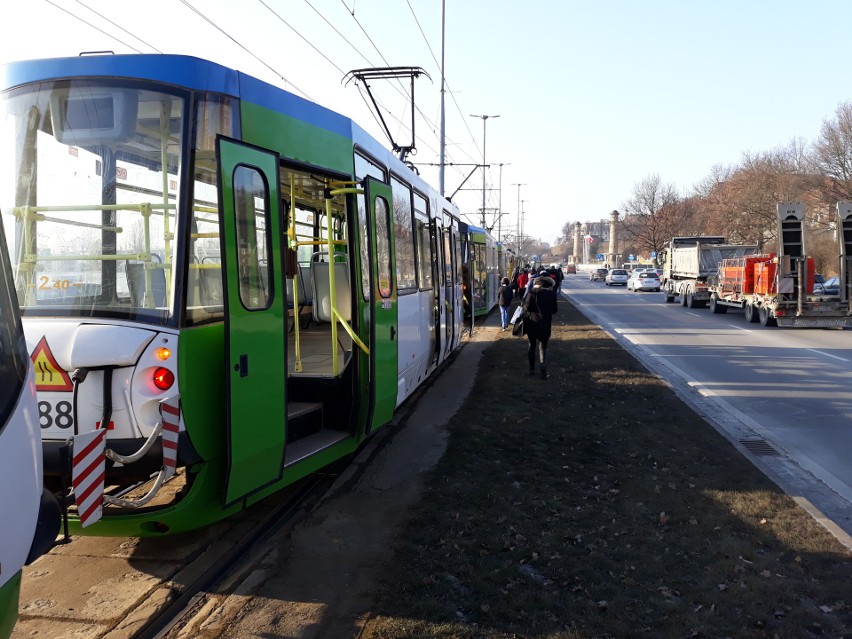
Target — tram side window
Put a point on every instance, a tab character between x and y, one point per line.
448	254
424	257
214	115
251	214
384	257
406	273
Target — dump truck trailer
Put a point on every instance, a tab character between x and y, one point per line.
689	261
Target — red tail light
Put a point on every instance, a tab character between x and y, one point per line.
163	378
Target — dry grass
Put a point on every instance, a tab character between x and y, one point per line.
597	504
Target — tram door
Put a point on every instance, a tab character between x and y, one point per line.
448	280
255	317
437	278
383	297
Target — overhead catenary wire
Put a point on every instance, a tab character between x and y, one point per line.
118	26
243	47
400	89
423	115
298	33
87	23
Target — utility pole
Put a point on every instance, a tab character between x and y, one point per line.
484	120
500	202
519	216
443	121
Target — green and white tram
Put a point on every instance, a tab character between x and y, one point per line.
224	287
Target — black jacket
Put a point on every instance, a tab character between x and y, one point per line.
505	295
541	305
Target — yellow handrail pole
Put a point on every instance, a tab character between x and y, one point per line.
331	291
291	236
352	334
148	295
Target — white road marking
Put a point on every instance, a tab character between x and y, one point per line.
842	359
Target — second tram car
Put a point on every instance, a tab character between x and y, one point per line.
224	287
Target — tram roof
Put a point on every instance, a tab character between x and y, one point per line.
178	70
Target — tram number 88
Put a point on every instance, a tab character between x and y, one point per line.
59	415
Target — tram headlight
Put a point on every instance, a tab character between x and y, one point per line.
163	378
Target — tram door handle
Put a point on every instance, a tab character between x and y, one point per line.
242	366
392	333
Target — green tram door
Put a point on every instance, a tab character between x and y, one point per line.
255	317
384	326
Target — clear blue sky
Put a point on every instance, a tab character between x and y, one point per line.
592	96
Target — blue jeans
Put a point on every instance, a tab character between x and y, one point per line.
504	315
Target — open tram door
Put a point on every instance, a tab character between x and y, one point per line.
255	317
382	299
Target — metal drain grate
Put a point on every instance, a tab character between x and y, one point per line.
758	447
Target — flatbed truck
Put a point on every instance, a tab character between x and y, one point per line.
778	288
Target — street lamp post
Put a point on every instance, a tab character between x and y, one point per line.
484	120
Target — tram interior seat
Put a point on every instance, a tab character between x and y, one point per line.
322	291
136	284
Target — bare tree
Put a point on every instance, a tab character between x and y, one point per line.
833	150
652	216
740	202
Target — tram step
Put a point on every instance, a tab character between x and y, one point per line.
303	419
300	409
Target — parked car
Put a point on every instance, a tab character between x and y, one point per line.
597	274
830	286
646	280
616	277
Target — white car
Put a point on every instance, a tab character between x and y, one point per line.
616	277
644	281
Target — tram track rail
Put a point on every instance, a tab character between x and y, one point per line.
139	619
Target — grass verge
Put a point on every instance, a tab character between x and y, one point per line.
597	504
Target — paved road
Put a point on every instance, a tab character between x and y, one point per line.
789	388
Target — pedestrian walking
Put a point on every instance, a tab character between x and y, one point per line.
522	282
504	299
533	277
540	305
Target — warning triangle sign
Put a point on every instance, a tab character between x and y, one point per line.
48	374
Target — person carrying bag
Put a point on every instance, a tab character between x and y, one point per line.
538	308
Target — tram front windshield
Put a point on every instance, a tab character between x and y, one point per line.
89	178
